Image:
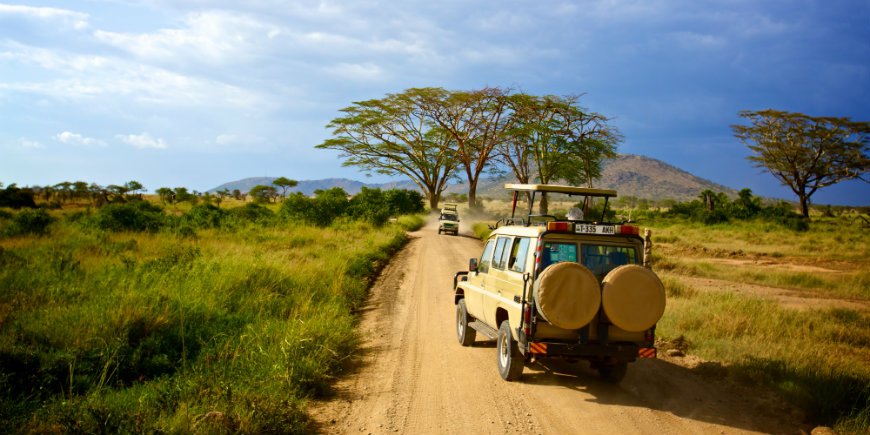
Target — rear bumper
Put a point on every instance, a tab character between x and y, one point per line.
621	351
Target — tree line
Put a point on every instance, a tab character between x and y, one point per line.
432	135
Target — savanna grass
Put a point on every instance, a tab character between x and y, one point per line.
227	331
815	358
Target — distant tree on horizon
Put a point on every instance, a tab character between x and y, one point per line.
284	183
806	153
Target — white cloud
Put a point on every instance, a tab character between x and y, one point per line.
87	76
77	20
27	143
71	138
143	141
214	37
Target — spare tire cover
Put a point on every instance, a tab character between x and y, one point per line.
567	295
633	297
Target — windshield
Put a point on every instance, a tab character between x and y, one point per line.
448	217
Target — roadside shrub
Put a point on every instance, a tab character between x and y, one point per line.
402	201
133	216
29	222
252	212
15	197
370	205
322	210
204	216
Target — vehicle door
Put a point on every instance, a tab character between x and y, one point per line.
477	281
508	274
495	279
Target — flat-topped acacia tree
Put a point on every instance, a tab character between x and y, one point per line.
806	153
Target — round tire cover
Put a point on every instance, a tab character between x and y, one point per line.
633	297
567	295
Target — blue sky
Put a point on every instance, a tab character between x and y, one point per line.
196	93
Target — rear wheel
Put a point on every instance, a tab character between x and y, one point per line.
465	334
510	361
613	373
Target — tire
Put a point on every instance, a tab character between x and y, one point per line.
465	334
567	295
510	362
613	373
439	231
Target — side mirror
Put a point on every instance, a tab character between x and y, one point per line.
457	219
472	265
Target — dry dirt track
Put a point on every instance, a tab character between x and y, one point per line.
411	376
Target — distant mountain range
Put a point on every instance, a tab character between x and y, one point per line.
628	174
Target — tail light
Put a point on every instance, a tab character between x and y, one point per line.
527	320
628	230
558	226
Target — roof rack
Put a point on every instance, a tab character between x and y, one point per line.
533	189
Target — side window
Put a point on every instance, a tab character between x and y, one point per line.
519	252
483	264
499	259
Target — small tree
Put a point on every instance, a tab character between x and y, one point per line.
262	193
284	183
806	153
167	195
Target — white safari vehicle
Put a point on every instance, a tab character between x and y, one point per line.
570	288
448	222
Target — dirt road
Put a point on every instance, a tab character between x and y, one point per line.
412	376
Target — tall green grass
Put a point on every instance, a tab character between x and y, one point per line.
815	358
228	331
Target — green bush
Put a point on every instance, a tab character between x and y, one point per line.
133	216
204	216
252	212
322	210
370	205
29	222
402	201
15	197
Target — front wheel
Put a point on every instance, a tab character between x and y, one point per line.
510	361
465	334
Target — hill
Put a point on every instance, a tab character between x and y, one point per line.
630	175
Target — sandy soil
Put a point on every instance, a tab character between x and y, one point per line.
411	376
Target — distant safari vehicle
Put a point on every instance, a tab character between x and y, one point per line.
449	220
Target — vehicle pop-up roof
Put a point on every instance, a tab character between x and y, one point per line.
533	189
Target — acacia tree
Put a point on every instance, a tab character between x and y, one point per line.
806	153
552	138
476	122
284	183
262	193
396	135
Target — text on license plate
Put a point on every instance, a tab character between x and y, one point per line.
595	229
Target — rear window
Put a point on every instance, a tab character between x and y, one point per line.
601	259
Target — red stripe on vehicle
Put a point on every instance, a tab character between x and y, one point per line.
538	348
647	352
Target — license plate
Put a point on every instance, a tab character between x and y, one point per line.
594	229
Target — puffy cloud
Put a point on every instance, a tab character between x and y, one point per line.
143	141
71	138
